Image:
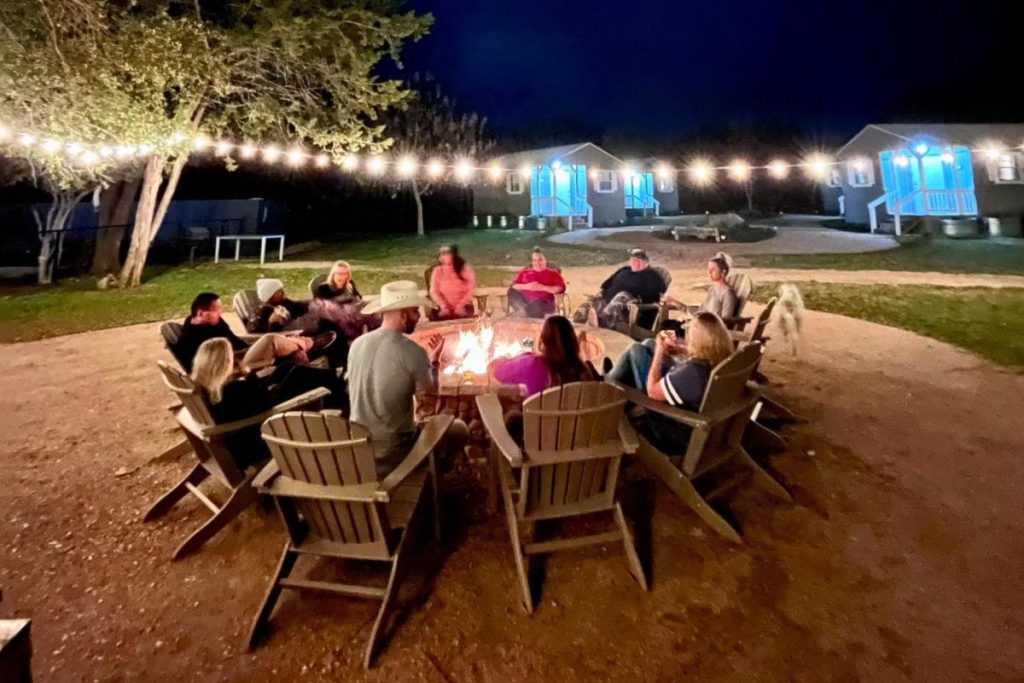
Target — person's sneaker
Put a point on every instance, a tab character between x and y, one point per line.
322	341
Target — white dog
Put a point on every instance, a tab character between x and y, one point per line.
789	316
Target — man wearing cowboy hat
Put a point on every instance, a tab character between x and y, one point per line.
386	369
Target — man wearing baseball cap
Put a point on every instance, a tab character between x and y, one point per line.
636	282
386	369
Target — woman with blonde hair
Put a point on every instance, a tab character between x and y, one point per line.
235	396
339	287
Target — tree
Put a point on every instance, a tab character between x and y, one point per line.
253	69
430	124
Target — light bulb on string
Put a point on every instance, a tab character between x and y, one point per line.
321	161
464	169
778	169
247	151
175	139
595	174
26	139
145	150
494	171
88	157
664	171
106	151
5	133
296	157
948	158
739	170
817	166
375	164
50	145
73	148
526	172
200	142
350	162
407	166
992	151
123	151
223	148
435	167
701	172
271	154
902	161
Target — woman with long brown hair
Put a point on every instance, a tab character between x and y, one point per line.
452	285
556	362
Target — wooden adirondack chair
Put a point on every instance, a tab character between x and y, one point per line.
171	332
314	284
760	326
479	300
716	438
324	481
246	304
574	438
743	286
563	304
206	439
640	332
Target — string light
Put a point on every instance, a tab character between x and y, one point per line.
948	158
223	148
26	139
818	167
51	145
902	161
494	171
106	151
200	142
778	169
407	166
123	151
88	157
664	171
247	151
271	154
463	169
435	168
526	172
739	170
350	162
375	165
992	151
4	133
322	161
296	157
701	172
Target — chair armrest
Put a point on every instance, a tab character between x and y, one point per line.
266	475
355	493
630	440
493	418
311	396
430	436
641	399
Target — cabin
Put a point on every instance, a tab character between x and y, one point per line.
891	172
581	184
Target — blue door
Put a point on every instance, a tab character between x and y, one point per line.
639	190
938	182
560	191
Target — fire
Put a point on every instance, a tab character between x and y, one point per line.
475	351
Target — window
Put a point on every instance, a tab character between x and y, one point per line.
605	182
666	185
835	177
514	183
1006	168
860	173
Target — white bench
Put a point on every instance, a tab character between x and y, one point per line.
238	244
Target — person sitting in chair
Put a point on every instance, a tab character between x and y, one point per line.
633	283
556	362
339	287
277	311
677	373
533	291
206	322
721	299
452	285
385	371
233	395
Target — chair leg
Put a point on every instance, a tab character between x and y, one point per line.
241	498
635	568
176	493
513	530
758	435
389	594
766	480
174	452
774	410
284	568
671	476
435	492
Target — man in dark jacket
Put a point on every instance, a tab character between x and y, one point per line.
633	283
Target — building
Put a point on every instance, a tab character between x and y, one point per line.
581	183
890	171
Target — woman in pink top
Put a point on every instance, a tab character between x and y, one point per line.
452	284
556	362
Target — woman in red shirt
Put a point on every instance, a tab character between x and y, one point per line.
533	291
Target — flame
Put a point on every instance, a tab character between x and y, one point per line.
475	350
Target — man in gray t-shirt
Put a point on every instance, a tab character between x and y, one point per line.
386	369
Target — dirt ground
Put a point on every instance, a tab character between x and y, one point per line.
900	558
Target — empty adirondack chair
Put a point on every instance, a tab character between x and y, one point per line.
770	408
206	440
563	304
246	304
743	286
574	437
716	438
324	481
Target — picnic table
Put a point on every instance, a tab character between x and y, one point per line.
238	243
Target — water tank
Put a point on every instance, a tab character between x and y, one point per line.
960	227
1003	226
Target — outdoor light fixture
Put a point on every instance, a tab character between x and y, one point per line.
176	139
526	171
556	164
701	172
26	140
106	151
739	170
628	173
948	158
4	133
778	169
463	169
322	161
407	166
88	157
247	151
902	161
73	148
145	150
858	165
201	142
271	154
992	152
817	167
664	172
50	145
296	157
375	165
595	174
435	168
494	171
921	149
350	162
222	148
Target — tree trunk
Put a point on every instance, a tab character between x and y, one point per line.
150	214
417	194
116	204
50	230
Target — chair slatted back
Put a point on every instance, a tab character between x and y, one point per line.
325	449
194	415
761	324
665	275
729	402
743	286
315	283
245	304
581	418
171	334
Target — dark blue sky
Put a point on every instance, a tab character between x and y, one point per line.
664	69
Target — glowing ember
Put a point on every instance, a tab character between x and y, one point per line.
475	351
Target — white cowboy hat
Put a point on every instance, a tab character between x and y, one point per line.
395	296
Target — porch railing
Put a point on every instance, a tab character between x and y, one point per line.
935	203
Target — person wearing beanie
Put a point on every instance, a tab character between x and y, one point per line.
636	282
277	310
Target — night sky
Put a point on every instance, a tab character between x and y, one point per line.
668	69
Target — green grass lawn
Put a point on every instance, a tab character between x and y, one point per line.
1003	257
477	246
28	313
989	322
